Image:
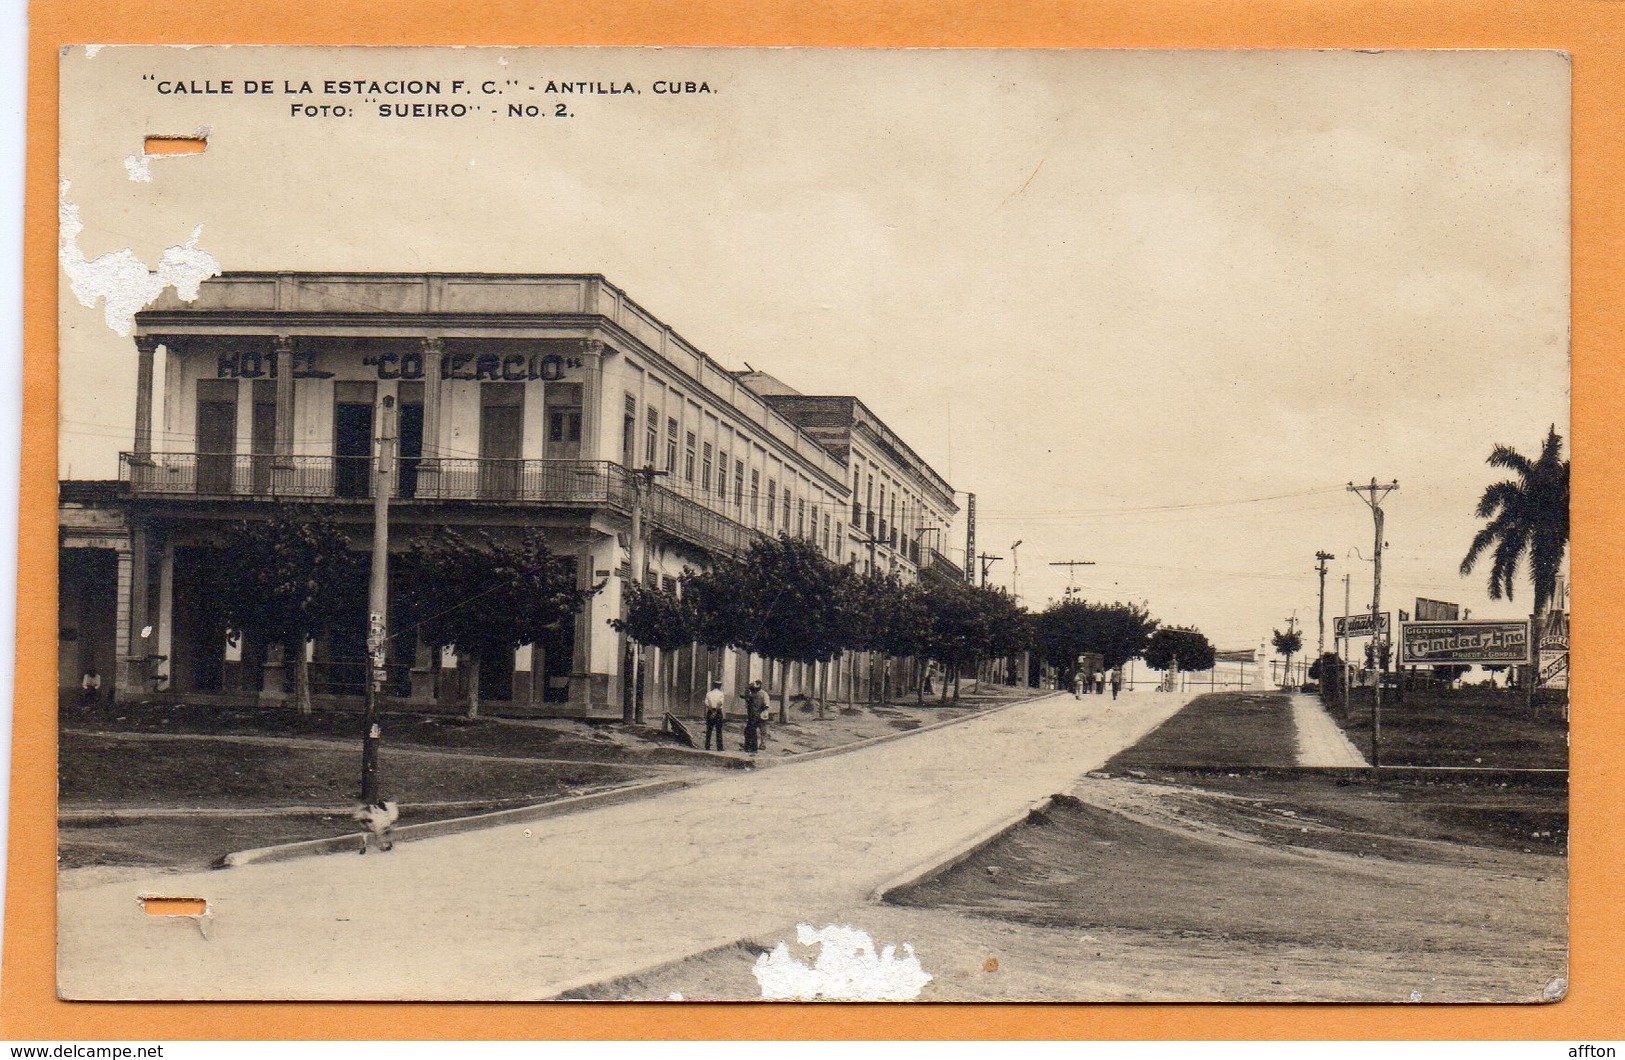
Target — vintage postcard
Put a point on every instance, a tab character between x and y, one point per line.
739	524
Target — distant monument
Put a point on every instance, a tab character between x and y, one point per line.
1261	681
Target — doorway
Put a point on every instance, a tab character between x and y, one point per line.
352	439
216	434
502	407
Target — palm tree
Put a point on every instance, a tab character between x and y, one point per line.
1529	514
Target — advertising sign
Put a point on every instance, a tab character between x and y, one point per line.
1358	625
1554	631
1430	643
1436	610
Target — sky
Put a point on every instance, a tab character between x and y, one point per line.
1156	309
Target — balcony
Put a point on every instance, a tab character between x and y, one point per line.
555	483
937	567
228	476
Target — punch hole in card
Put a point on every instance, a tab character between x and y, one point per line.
174	145
156	906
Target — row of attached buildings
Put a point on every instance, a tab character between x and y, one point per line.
524	402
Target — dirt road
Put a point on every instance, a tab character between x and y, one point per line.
524	912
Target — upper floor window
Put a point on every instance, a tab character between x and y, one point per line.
651	436
688	457
629	431
671	444
772	502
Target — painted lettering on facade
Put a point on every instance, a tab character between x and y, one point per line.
480	367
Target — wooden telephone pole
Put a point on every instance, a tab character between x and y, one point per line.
1374	495
1321	559
1072	566
383	484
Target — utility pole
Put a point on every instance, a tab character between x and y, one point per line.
1347	650
1286	665
642	479
987	561
1321	559
383	484
1015	571
1374	495
1072	566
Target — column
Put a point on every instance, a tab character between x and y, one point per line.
165	625
134	678
434	353
145	346
592	399
283	371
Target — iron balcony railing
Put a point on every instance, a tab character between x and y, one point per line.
567	483
934	564
234	476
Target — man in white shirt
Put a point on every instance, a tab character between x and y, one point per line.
714	716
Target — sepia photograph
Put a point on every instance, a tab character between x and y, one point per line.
685	524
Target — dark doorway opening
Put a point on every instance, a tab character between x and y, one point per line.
352	448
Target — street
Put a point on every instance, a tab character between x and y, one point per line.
523	912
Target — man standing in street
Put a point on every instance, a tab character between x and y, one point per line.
1117	681
755	716
714	716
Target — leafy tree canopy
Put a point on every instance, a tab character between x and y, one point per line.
1288	643
467	590
1118	632
1179	647
781	600
657	618
294	570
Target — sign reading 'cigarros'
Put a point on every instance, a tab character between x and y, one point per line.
1463	642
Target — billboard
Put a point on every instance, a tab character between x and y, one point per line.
1432	643
1435	610
1554	631
1358	625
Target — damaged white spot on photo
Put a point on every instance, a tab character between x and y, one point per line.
847	968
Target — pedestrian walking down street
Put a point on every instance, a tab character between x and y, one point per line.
714	715
755	716
1100	683
1117	682
1078	680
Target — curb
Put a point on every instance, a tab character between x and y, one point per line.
958	855
451	825
598	983
828	752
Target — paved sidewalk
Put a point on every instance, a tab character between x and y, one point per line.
1320	742
522	912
